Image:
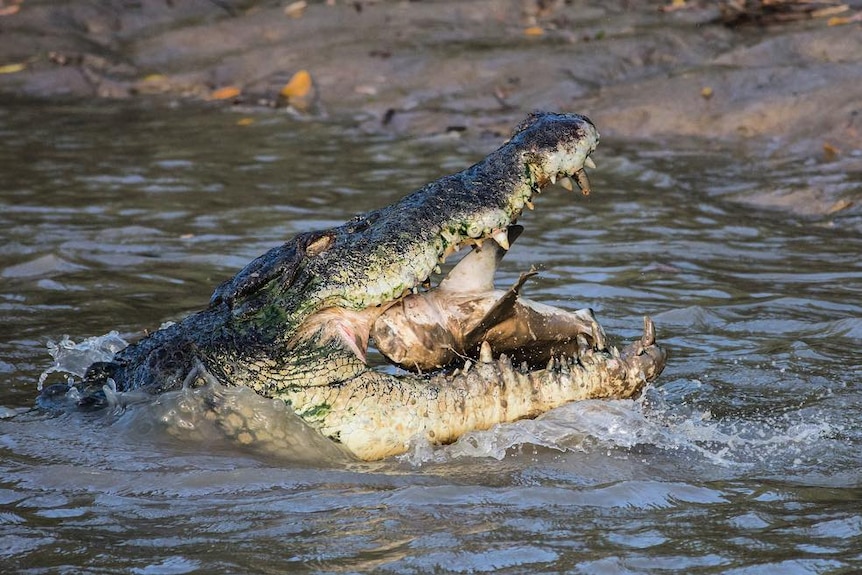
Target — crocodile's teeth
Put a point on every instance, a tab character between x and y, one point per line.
567	183
583	181
583	344
529	205
589	163
599	341
648	337
502	238
564	365
485	355
553	178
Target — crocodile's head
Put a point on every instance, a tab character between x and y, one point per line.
332	285
295	323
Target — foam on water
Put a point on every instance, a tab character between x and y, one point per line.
74	358
188	416
782	441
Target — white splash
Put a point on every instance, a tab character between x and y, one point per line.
631	424
74	358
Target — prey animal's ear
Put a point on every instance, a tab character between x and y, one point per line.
353	340
348	328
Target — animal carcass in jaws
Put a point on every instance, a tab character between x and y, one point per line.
465	314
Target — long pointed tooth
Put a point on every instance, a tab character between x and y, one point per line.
529	204
583	181
553	178
485	355
502	238
589	163
648	338
567	183
583	344
598	334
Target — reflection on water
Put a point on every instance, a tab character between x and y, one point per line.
743	458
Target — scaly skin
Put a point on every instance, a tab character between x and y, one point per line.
441	408
294	323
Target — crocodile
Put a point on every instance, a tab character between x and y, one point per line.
295	323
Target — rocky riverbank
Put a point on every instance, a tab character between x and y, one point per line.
642	70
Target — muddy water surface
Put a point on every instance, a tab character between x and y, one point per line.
742	458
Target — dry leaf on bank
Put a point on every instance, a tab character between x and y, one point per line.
841	20
296	9
299	85
226	93
12	68
9	10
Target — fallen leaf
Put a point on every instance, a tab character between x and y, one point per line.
226	93
534	31
11	68
706	92
830	152
674	6
365	90
839	206
296	9
299	85
841	20
245	122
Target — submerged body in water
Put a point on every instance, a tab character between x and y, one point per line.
295	323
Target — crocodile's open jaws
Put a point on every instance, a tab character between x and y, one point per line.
295	323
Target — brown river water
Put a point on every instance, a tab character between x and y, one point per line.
744	457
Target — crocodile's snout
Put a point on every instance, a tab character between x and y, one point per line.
558	147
